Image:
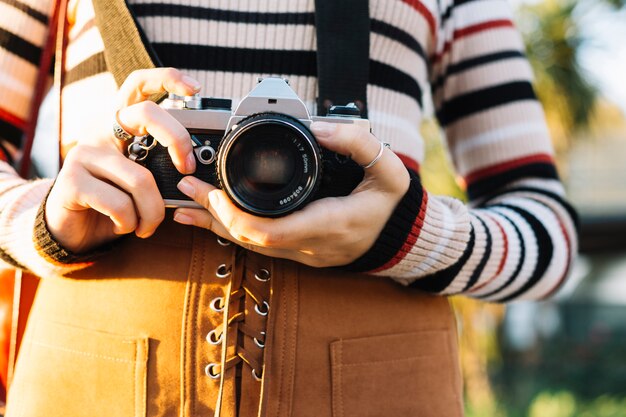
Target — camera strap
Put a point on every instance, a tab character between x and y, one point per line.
126	48
343	42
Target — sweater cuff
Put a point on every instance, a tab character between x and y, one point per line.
52	250
402	226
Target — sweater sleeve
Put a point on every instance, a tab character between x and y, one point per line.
23	34
24	239
24	242
516	238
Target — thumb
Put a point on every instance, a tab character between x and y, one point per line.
196	189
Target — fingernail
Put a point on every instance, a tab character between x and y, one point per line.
182	218
186	188
144	235
192	82
190	163
323	129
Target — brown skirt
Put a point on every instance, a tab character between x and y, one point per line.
144	333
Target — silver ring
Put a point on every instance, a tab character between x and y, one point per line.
379	155
119	132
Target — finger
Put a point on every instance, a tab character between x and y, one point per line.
285	232
148	118
108	200
132	178
353	141
141	84
241	225
203	218
388	174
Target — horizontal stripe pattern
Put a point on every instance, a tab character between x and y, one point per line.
27	9
519	240
477	101
19	46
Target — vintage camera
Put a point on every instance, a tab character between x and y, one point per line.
263	155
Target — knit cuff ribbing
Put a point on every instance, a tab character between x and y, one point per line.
408	213
52	250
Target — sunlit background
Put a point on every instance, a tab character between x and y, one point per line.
565	357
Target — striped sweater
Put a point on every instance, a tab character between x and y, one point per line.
514	240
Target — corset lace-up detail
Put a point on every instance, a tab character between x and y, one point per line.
242	335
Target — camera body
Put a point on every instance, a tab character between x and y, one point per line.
263	154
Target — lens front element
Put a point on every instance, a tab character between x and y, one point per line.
270	164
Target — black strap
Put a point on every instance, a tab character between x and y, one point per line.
343	30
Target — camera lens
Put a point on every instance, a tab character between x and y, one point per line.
270	164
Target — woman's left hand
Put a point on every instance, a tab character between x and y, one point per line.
327	232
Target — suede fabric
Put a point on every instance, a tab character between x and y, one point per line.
128	337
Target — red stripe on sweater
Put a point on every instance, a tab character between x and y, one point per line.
421	9
409	162
13	119
471	30
506	166
416	229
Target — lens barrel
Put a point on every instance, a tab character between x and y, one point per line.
269	164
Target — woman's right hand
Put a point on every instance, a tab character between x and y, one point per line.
99	193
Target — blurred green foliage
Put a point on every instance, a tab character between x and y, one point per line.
565	404
553	40
554	35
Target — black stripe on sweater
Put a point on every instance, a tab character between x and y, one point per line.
440	280
385	29
476	62
557	198
477	101
194	12
25	8
11	133
217	58
544	246
491	186
396	230
20	47
483	261
520	262
391	78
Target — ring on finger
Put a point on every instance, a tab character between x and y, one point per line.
379	155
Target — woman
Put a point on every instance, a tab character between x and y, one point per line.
179	320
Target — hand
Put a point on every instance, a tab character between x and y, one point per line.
327	232
99	193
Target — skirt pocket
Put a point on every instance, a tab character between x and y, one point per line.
410	374
70	371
